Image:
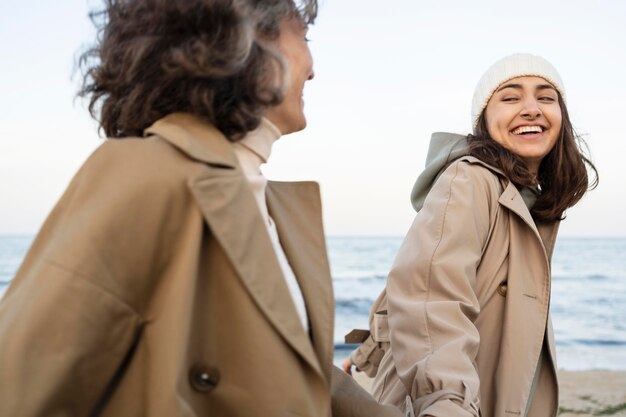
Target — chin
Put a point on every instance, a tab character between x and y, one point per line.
297	125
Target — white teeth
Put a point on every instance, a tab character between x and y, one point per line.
527	129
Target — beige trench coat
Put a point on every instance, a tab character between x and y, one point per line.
153	290
464	316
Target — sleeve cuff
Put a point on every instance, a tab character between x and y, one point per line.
444	403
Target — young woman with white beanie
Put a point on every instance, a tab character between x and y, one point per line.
463	326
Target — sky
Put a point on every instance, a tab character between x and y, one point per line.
387	75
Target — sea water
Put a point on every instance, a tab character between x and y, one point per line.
588	302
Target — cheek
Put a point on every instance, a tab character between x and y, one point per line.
499	119
558	121
309	58
494	127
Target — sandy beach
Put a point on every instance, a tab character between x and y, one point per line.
582	393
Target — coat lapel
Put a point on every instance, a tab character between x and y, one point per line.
548	233
546	237
510	197
296	210
545	233
231	212
512	200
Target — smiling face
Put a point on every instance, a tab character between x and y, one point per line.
524	116
288	116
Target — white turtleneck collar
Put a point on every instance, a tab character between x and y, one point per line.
260	140
253	151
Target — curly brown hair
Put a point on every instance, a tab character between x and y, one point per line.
563	174
212	58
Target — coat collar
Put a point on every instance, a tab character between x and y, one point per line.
196	137
231	212
512	199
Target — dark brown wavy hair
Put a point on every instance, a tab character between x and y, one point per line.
211	58
563	174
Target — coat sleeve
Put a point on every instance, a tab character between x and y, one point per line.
368	355
432	299
62	340
73	312
351	400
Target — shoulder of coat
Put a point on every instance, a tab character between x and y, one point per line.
472	160
479	172
148	149
148	165
152	155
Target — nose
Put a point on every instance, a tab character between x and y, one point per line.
309	65
531	108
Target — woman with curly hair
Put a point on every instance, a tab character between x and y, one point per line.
172	279
463	327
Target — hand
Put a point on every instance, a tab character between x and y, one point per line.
347	366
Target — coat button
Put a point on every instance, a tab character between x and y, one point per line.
204	379
502	289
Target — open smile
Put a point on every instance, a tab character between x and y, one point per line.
528	131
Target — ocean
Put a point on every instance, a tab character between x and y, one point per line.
588	292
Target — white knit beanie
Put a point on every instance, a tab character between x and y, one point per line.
509	67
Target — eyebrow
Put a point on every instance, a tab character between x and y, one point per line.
545	87
519	87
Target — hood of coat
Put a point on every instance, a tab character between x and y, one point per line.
442	150
445	148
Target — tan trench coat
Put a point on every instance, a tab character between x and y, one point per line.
465	310
153	290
